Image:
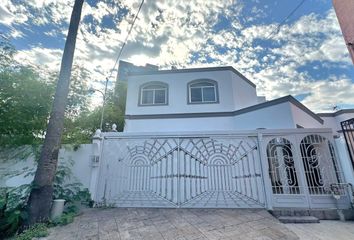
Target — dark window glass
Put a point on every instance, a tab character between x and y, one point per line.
196	95
202	92
153	94
209	94
147	97
160	96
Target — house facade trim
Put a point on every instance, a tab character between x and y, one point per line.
335	114
190	70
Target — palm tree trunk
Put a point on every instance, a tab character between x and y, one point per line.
40	199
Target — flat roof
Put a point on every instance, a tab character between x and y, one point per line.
190	70
334	114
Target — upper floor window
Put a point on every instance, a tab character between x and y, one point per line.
154	93
203	91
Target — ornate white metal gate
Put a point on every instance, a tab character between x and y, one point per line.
266	168
189	172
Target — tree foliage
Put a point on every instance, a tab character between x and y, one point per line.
26	99
24	105
80	129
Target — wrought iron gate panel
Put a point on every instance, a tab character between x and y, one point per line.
181	172
319	164
302	168
282	170
348	132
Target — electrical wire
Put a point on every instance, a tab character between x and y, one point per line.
285	19
116	62
126	39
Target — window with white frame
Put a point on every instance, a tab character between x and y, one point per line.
153	94
202	91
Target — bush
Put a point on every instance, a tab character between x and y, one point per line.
12	209
36	231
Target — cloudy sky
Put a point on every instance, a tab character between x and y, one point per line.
306	57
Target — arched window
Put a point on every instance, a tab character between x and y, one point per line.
153	93
203	91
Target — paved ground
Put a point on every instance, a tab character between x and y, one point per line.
163	224
196	224
326	230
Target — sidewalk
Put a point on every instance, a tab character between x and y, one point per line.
325	230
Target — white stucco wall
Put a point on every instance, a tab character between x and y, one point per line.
81	169
17	170
179	124
330	122
82	165
245	95
229	85
304	119
272	117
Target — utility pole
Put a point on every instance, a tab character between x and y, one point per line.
103	104
103	101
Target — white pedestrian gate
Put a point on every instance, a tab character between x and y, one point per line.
253	170
304	171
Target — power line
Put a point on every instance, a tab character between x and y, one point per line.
126	39
285	19
116	62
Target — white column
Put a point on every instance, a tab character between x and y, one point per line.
95	164
265	174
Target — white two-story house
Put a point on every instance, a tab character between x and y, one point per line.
210	99
202	137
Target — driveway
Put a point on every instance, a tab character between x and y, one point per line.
163	224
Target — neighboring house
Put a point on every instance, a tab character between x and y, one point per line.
212	99
333	120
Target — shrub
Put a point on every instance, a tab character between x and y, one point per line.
12	209
36	231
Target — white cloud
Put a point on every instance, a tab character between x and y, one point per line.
6	17
281	71
170	32
16	33
328	93
48	59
